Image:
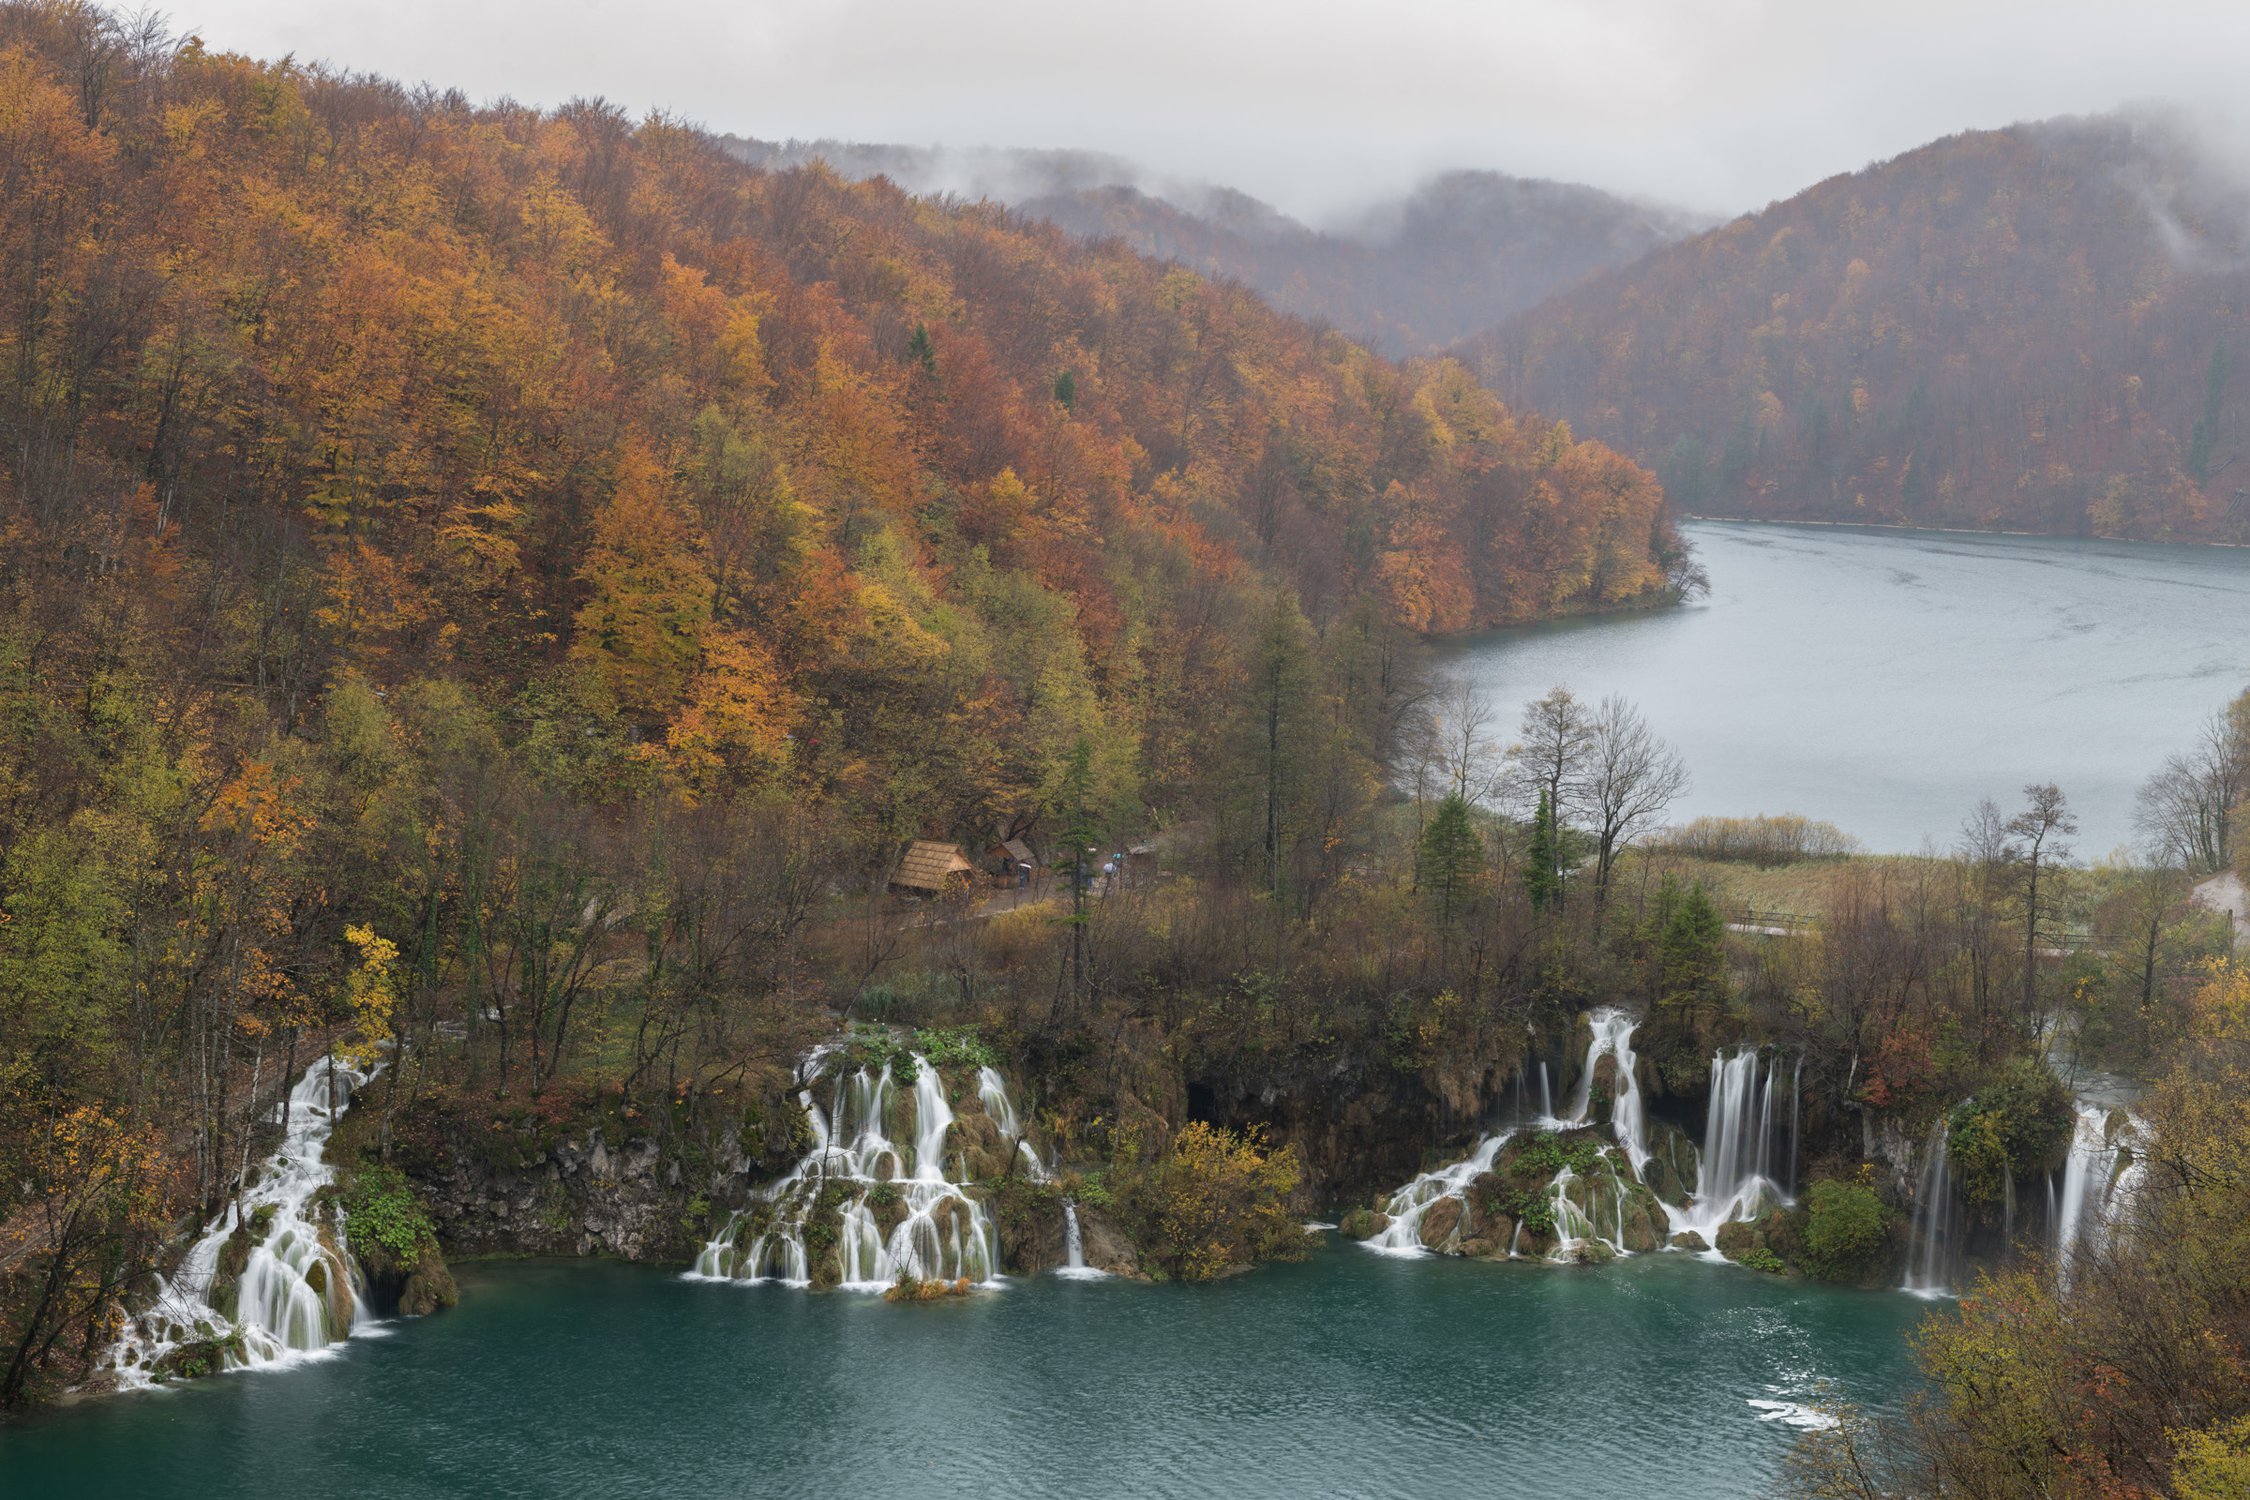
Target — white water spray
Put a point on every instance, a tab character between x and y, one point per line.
298	1290
1929	1253
1737	1178
879	1165
1586	1209
2099	1182
1411	1204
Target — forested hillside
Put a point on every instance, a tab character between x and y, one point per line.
2036	329
1410	274
447	553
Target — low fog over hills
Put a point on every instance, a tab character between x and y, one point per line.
1409	273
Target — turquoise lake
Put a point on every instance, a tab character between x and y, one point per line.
1349	1374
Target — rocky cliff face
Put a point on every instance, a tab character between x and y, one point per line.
578	1196
585	1176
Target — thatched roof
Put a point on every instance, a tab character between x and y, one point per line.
927	865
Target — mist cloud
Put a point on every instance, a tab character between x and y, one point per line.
1716	104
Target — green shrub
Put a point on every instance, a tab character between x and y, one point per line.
1543	1155
1093	1191
1759	1258
1535	1211
1845	1226
955	1047
382	1209
2016	1127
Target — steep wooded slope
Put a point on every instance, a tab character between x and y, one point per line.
2035	328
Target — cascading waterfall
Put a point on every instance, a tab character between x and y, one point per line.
2099	1180
271	1281
1613	1038
1531	1096
872	1200
1737	1180
1587	1209
1411	1204
1737	1175
993	1090
1929	1252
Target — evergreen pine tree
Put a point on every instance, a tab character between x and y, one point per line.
1691	956
1450	858
1542	875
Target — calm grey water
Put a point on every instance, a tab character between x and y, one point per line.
1886	680
1350	1374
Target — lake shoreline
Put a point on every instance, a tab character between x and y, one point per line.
1896	526
1885	679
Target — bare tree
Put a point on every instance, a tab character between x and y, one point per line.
1628	778
1557	733
1473	760
2036	842
2186	809
1987	869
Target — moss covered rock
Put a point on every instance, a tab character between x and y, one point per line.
225	1294
1671	1169
198	1358
1440	1222
387	1224
1646	1224
1364	1223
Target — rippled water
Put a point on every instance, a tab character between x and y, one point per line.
1885	680
1348	1375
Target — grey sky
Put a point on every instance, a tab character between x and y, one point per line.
1715	104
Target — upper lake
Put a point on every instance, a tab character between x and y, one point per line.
1886	680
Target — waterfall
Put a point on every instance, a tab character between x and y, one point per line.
1613	1038
993	1090
271	1280
2099	1180
1074	1265
1411	1204
1586	1209
873	1199
1796	1098
1929	1252
1736	1179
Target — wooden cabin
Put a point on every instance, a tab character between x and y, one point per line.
1009	860
929	868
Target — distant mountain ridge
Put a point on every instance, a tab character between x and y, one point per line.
2040	328
1409	275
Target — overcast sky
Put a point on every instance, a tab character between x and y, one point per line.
1714	104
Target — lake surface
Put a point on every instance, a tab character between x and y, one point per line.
1350	1374
1886	680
